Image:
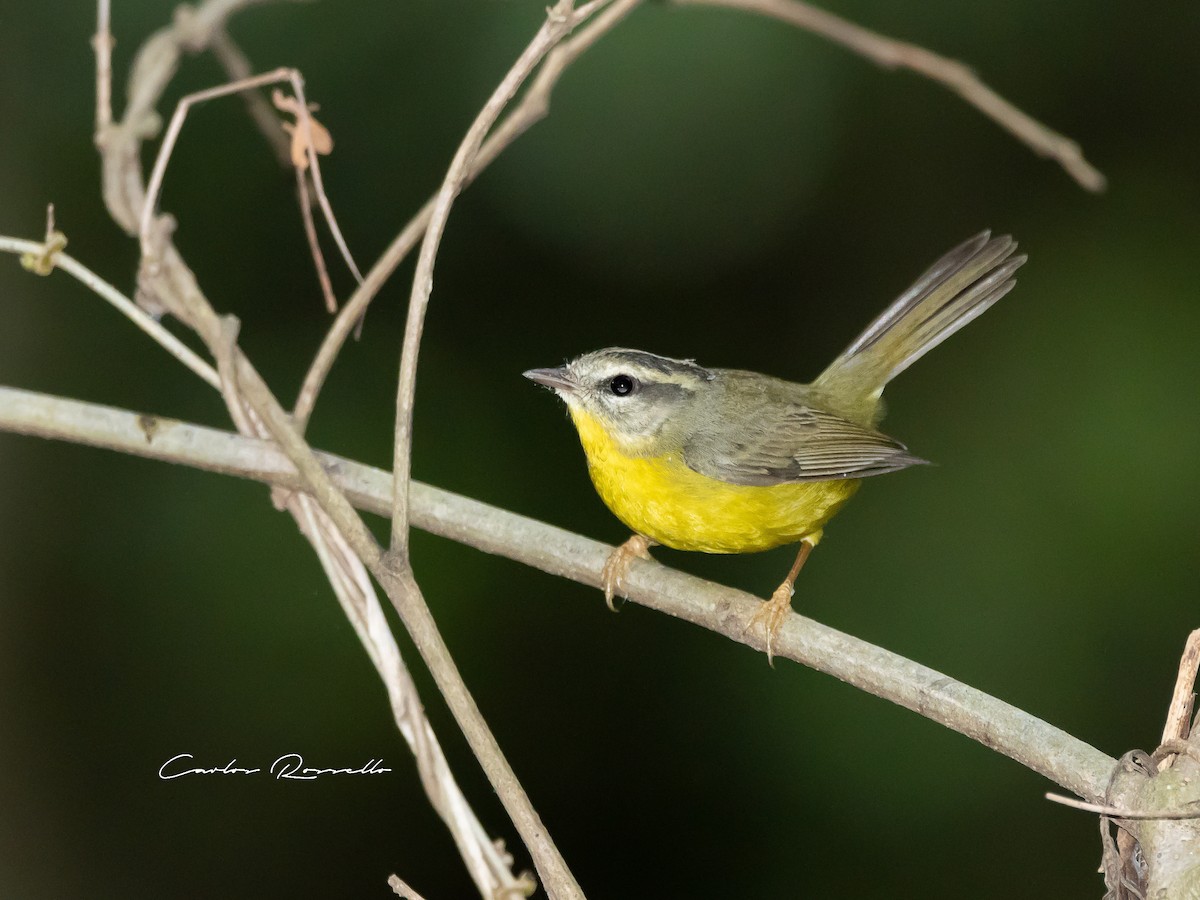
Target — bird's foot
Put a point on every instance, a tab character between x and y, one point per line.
617	564
771	616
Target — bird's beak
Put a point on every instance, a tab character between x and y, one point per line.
556	379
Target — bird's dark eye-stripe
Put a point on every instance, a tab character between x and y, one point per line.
622	385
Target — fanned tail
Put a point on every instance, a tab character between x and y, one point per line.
957	288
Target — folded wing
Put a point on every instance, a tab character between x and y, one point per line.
798	443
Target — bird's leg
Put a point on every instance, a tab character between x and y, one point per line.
618	562
771	614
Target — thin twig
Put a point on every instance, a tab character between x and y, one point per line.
304	121
561	19
167	147
238	68
1113	812
102	44
123	304
314	244
534	105
1069	762
950	73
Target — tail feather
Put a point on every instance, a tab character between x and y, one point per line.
953	291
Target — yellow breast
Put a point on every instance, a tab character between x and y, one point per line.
660	497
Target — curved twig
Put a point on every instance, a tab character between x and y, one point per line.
121	303
561	19
950	73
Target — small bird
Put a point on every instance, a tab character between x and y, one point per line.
727	461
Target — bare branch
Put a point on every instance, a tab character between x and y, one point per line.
165	149
243	385
307	138
304	124
1069	762
345	547
102	45
314	243
950	73
1132	814
123	304
561	19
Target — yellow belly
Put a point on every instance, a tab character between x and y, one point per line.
666	501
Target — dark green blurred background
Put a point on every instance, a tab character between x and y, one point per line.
709	184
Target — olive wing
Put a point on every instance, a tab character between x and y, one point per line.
795	443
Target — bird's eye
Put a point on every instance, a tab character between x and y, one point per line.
622	385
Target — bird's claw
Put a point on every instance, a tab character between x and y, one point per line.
771	616
617	564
